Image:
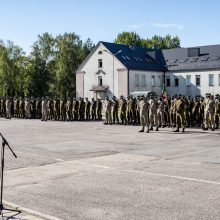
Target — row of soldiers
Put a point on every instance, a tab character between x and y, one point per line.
51	108
177	111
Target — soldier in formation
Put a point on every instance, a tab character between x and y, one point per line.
177	112
53	109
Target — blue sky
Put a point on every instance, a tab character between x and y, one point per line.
196	22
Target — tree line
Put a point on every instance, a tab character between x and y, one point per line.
49	69
156	42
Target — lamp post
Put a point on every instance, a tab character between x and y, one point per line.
113	66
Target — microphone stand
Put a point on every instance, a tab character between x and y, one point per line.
4	143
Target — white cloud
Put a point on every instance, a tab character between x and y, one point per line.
168	25
136	26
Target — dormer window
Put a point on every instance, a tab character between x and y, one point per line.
100	65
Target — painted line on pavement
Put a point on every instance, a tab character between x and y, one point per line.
29	211
151	173
40	155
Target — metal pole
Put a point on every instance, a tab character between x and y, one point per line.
2	173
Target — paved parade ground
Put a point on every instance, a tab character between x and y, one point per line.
86	170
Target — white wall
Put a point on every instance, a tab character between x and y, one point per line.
194	90
91	68
148	78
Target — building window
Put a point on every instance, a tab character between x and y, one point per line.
143	81
198	80
188	80
100	63
219	79
153	81
100	80
176	81
136	80
167	81
211	79
159	81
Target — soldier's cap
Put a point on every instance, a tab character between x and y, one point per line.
217	95
121	96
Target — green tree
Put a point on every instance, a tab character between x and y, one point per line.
11	70
156	42
129	38
37	77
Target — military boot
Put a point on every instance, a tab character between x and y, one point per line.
177	129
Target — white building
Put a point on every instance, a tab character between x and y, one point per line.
193	71
115	69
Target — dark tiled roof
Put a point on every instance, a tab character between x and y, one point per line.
136	58
179	59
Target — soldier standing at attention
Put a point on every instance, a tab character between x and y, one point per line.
16	107
99	109
44	109
4	107
144	114
129	110
114	110
56	109
179	109
137	111
75	109
133	110
206	113
160	113
93	109
27	108
107	107
153	105
69	107
33	107
87	108
217	111
50	114
38	108
195	113
62	110
81	109
209	113
8	103
122	110
21	108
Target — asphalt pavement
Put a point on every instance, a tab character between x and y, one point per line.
86	170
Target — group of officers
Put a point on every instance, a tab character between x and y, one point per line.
47	108
177	111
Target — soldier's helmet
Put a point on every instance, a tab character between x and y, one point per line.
121	96
114	97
